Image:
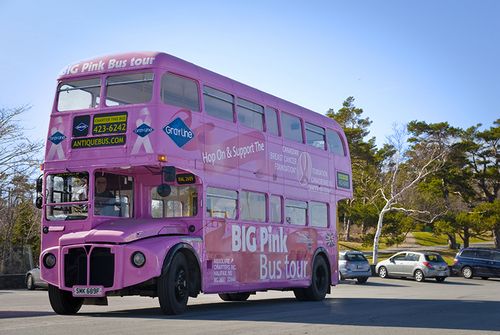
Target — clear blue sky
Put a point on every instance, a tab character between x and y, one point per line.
402	60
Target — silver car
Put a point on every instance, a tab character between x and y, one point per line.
33	279
419	265
354	265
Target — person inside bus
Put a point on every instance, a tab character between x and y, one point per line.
105	202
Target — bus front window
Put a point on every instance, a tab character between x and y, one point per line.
114	195
78	94
66	196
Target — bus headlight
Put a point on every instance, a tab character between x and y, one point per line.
138	259
49	261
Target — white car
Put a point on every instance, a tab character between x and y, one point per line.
33	279
354	265
419	265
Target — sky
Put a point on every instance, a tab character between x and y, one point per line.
426	60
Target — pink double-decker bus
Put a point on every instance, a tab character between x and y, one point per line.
164	179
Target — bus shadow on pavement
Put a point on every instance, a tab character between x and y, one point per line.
447	314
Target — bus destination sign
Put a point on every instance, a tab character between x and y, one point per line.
111	123
186	178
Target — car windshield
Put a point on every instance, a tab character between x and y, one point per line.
355	257
434	258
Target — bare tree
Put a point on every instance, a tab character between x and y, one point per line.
401	173
19	157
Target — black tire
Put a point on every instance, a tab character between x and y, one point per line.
419	275
242	296
440	279
362	280
467	272
319	280
30	285
300	294
63	302
341	276
173	286
382	272
225	297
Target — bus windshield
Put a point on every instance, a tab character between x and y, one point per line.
66	196
114	195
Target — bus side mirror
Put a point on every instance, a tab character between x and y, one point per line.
169	174
39	190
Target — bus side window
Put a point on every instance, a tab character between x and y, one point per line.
295	212
221	203
250	114
291	127
315	136
272	121
180	92
318	214
218	103
335	142
275	208
253	206
181	202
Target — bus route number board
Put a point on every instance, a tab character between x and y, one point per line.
87	291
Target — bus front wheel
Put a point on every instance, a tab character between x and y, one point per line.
173	286
63	302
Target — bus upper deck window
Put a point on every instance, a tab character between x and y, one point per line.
291	127
335	144
125	89
250	114
180	92
218	103
78	94
272	121
315	136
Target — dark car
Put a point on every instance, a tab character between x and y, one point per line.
477	262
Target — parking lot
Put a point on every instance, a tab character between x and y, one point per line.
380	306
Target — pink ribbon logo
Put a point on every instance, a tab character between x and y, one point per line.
304	168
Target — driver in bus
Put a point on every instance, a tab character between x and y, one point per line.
105	202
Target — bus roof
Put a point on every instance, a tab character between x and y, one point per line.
148	60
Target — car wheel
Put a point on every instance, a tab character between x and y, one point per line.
29	282
467	272
382	272
419	276
63	302
440	279
362	280
341	276
173	286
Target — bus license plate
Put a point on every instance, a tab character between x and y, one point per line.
87	291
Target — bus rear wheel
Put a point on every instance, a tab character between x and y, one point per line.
63	302
173	286
319	280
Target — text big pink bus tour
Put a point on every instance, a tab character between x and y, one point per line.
164	179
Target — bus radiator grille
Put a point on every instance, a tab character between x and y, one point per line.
102	267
